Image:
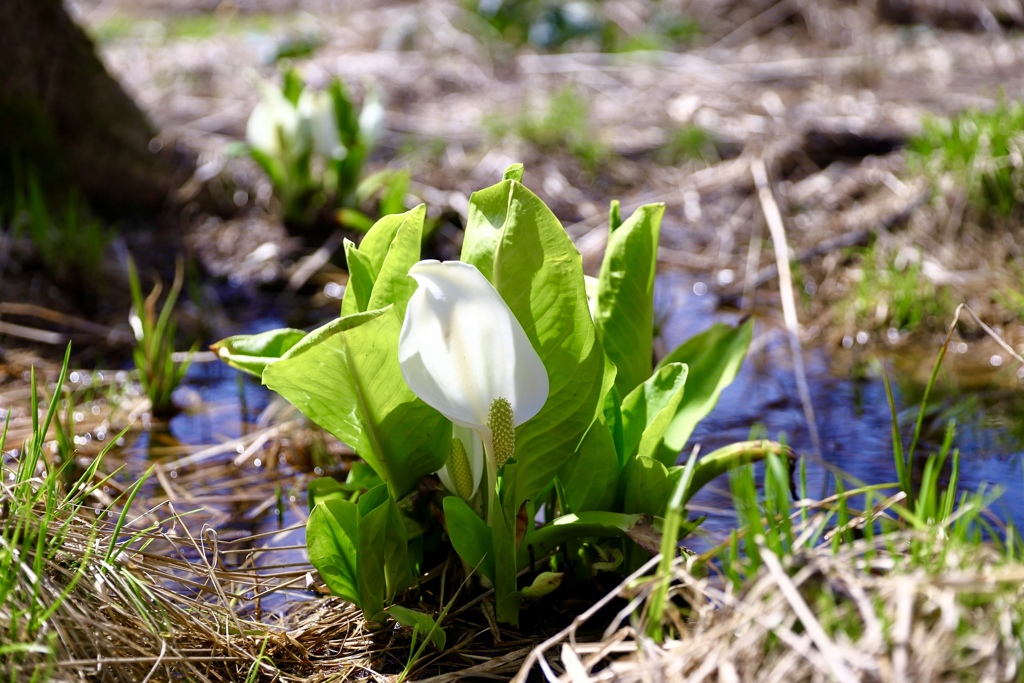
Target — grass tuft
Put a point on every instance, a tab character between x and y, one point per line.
159	372
981	152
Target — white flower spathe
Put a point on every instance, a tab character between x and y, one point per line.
461	350
275	125
316	108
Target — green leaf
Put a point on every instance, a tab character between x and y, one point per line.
393	284
514	172
272	166
350	383
353	218
293	86
470	536
648	411
421	623
332	536
370	560
625	296
362	477
379	267
713	357
393	199
360	280
383	560
252	353
614	215
648	486
729	457
377	242
326	488
568	527
590	477
519	245
543	584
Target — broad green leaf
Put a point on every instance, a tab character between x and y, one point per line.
377	242
371	500
648	486
398	566
613	412
393	284
470	536
382	261
332	328
590	477
625	295
252	353
421	623
362	477
360	281
519	245
713	357
350	384
649	409
332	537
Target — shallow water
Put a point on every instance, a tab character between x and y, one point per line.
852	414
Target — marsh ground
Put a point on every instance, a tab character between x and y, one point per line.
826	93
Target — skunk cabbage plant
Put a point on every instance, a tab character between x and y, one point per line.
525	399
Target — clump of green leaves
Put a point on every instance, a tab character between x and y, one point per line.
597	453
70	243
981	152
564	124
313	145
155	333
893	293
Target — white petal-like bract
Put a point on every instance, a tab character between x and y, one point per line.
461	348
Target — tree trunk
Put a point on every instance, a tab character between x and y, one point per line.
64	119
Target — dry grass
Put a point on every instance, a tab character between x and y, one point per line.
862	613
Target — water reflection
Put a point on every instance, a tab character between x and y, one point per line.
853	415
